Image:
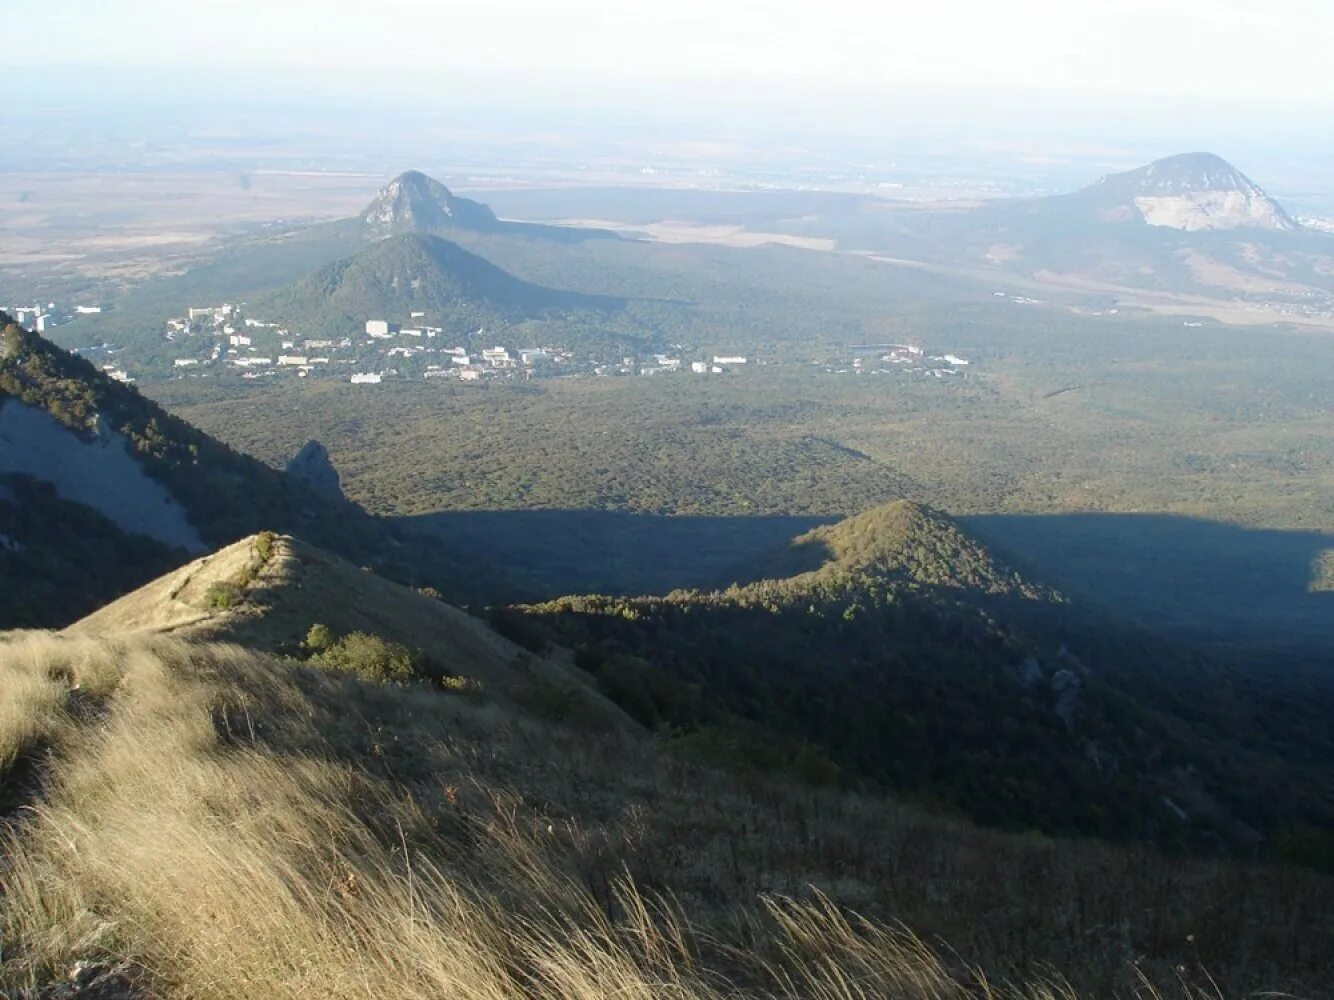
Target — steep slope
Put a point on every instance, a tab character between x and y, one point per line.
416	272
894	648
60	558
1189	192
415	203
98	471
266	592
104	446
195	819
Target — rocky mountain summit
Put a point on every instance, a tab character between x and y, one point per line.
1189	192
414	203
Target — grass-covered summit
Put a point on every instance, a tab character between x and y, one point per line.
902	543
415	272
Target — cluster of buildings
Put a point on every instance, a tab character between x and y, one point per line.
42	317
721	363
898	359
412	346
223	336
224	339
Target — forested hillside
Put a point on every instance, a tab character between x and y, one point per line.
416	272
897	652
224	493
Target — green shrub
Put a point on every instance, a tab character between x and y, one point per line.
458	684
222	595
319	638
264	546
373	659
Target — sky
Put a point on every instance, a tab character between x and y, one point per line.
1105	82
1262	53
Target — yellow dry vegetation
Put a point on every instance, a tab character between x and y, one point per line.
180	799
298	585
225	863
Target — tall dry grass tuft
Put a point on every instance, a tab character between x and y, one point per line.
208	824
44	678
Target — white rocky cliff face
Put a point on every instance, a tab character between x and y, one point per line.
1191	192
1213	210
101	473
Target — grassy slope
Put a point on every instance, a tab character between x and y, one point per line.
292	586
240	827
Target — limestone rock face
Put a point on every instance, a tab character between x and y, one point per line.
312	466
415	203
1190	192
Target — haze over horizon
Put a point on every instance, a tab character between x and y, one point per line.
1112	83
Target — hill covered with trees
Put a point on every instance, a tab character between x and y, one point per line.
223	493
892	650
417	272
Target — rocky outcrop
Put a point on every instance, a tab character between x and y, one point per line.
96	981
1190	192
415	203
313	467
1066	689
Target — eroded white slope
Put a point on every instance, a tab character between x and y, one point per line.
1201	210
101	473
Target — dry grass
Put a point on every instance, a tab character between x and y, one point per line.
296	585
239	827
40	683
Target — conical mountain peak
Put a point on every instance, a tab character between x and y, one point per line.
413	202
1191	192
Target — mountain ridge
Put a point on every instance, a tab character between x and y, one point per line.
220	493
266	592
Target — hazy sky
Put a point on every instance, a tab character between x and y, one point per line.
1257	51
1094	85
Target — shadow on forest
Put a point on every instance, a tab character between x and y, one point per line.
1199	579
556	552
1195	579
